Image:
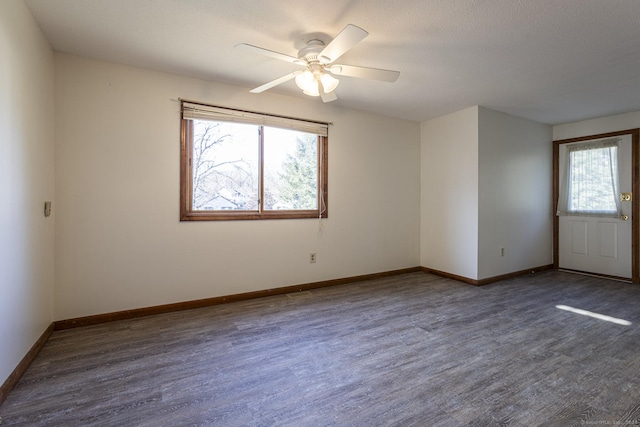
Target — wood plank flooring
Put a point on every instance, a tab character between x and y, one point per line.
409	350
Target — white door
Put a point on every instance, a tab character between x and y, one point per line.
595	242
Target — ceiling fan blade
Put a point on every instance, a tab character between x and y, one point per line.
327	97
350	36
275	82
364	72
267	52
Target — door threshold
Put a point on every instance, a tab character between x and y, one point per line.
601	276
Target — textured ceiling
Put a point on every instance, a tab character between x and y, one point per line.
553	61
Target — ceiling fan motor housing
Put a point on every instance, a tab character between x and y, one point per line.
311	51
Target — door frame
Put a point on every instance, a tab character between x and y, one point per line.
635	202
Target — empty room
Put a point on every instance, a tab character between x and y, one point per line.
339	213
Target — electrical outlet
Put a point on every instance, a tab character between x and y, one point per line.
502	251
312	257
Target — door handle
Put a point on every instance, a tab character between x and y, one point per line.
624	217
625	197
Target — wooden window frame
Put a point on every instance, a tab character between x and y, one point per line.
186	186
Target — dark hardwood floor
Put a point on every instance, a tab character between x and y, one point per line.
409	350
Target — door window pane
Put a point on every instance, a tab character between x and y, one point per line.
592	173
590	180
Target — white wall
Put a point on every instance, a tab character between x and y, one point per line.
26	181
449	193
515	199
596	126
119	244
486	183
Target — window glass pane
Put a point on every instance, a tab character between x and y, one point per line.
290	170
592	175
225	166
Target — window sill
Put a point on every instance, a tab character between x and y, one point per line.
244	215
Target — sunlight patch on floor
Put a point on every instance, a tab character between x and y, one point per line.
594	315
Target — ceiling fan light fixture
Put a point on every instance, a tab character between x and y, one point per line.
309	83
313	89
329	83
306	81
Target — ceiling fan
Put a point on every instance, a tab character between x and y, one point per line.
318	59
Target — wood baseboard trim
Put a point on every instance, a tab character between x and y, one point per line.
488	280
186	305
449	275
515	274
19	371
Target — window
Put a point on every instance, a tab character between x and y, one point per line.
590	181
241	165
